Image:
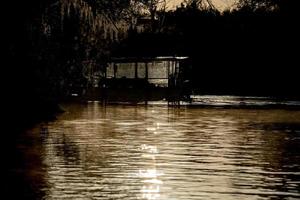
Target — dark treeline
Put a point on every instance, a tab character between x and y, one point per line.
251	49
45	45
21	21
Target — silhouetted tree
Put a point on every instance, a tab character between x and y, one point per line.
151	8
284	6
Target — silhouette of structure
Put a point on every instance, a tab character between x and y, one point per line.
144	79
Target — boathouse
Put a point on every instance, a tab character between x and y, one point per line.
157	72
142	79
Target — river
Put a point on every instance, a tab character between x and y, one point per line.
158	152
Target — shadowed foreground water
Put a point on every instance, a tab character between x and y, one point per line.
160	152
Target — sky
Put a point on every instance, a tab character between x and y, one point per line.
220	4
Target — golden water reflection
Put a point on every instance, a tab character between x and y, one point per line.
159	152
151	182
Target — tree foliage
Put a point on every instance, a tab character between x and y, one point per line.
289	7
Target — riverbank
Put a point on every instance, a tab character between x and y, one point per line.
24	114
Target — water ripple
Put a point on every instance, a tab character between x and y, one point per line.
158	152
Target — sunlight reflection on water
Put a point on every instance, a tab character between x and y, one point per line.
160	152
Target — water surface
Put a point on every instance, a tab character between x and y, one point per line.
159	152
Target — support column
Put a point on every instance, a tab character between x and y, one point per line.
115	70
168	71
146	71
136	70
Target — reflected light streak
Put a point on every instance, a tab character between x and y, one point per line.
151	185
149	173
151	129
154	181
149	148
150	192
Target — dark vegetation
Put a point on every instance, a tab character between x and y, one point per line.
251	49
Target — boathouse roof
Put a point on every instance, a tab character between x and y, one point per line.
147	59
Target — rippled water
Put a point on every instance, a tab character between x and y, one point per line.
160	152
